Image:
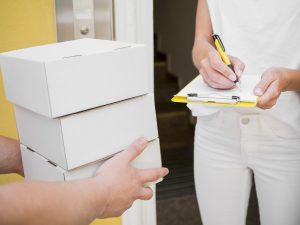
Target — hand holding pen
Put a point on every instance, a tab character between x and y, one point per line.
219	70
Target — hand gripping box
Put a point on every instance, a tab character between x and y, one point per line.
82	138
38	168
68	77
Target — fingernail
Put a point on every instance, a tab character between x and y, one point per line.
166	171
232	77
142	141
239	72
258	91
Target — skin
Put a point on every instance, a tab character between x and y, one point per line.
217	75
109	193
275	81
10	156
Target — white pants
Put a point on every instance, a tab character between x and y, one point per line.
231	147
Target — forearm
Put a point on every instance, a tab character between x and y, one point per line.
10	157
293	77
50	203
203	43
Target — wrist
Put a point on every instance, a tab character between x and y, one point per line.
287	78
99	197
200	51
292	79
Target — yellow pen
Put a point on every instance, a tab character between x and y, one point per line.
221	49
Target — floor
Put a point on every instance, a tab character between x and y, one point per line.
178	211
184	211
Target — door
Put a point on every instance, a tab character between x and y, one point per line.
128	21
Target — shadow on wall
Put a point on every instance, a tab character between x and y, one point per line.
174	25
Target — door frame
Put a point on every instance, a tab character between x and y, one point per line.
134	23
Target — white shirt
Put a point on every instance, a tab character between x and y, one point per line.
263	34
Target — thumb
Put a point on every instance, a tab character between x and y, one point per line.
263	85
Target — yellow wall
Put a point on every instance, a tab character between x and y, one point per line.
25	23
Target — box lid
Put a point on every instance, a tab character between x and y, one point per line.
69	77
67	49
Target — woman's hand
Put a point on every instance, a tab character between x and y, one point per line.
273	82
218	75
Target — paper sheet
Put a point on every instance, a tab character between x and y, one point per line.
247	98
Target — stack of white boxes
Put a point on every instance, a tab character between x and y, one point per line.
78	103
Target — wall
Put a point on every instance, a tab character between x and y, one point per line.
24	24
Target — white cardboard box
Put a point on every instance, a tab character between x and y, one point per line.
68	77
39	168
85	137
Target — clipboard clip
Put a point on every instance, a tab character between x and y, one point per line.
213	98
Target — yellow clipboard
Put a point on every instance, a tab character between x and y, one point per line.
247	99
